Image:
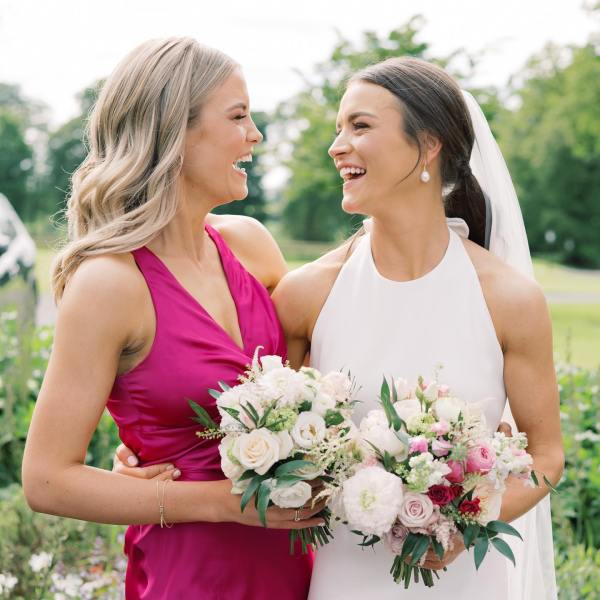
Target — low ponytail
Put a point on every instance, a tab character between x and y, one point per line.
467	201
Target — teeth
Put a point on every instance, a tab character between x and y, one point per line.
345	171
236	165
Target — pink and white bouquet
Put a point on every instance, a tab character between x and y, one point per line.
432	470
280	429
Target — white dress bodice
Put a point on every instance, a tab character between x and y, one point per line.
438	324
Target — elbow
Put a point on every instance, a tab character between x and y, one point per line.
37	490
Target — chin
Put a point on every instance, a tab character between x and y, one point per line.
352	206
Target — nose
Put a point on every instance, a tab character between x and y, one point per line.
339	147
254	134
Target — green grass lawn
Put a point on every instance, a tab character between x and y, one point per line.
576	326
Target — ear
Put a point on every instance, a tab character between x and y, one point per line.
431	147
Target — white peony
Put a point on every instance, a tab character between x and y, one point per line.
448	408
293	496
407	409
39	562
258	450
490	501
374	428
322	402
431	392
286	387
337	385
372	498
247	393
309	430
270	362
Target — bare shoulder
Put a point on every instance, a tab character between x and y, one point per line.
107	290
516	303
301	294
253	245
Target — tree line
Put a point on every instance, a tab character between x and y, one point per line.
547	122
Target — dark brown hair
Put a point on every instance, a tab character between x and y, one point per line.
432	103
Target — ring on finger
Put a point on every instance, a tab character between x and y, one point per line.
297	515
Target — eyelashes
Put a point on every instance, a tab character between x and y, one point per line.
356	126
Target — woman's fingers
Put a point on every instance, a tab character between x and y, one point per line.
126	456
159	472
505	428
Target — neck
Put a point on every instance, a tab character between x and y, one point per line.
411	239
183	236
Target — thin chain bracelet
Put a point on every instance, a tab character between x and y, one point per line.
160	498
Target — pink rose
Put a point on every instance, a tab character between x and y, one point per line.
441	447
440	428
418	444
395	537
457	472
480	459
416	511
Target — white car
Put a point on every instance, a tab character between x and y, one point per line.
18	289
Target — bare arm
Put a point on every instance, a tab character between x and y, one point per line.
95	321
532	391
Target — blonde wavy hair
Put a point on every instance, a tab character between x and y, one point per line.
125	191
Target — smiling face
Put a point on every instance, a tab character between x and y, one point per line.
373	155
223	137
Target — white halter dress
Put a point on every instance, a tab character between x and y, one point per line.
373	326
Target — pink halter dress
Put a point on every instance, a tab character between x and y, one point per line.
190	354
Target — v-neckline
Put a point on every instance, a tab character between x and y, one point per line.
225	268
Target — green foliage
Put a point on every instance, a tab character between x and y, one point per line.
576	508
86	558
24	355
552	144
578	573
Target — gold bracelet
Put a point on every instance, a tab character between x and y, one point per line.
161	503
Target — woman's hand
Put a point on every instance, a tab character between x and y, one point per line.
435	563
125	462
277	518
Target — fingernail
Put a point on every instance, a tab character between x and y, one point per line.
169	467
176	473
132	461
321	523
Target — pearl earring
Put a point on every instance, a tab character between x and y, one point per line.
425	176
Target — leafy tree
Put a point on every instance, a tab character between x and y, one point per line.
16	161
552	144
254	204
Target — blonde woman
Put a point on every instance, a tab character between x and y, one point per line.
158	301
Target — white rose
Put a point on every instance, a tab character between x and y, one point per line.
407	408
293	496
416	510
230	464
258	450
490	501
322	403
271	362
247	393
448	408
309	429
374	428
372	499
286	444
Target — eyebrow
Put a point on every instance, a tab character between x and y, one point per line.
241	105
360	113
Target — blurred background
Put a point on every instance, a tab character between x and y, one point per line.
535	69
